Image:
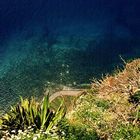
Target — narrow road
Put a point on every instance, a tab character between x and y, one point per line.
70	92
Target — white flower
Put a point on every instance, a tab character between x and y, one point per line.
12	136
35	138
13	131
19	131
54	127
28	136
63	133
45	133
17	137
37	135
29	127
24	134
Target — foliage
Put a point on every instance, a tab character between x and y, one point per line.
111	107
29	134
127	132
30	113
76	132
109	110
102	104
95	113
126	81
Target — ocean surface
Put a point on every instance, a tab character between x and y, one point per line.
51	43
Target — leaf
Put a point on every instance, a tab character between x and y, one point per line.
45	106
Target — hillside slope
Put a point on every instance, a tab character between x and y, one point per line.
112	106
109	110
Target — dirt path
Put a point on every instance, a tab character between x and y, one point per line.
70	92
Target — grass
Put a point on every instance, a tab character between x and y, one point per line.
69	102
76	131
127	132
112	105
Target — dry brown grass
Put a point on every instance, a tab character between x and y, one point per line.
116	91
126	82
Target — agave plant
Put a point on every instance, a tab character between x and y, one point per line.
31	113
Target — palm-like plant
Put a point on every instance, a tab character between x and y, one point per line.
31	113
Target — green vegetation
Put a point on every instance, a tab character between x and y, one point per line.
112	106
110	109
127	132
76	132
29	114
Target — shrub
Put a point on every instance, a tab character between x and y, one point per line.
76	132
102	104
30	113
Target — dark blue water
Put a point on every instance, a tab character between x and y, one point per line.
63	42
111	15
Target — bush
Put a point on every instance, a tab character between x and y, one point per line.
31	114
102	104
76	132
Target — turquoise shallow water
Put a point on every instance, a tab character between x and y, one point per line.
56	42
30	66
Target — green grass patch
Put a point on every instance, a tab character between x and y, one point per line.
127	132
77	132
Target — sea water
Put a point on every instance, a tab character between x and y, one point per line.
55	43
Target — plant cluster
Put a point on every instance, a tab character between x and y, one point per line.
76	132
112	106
30	114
